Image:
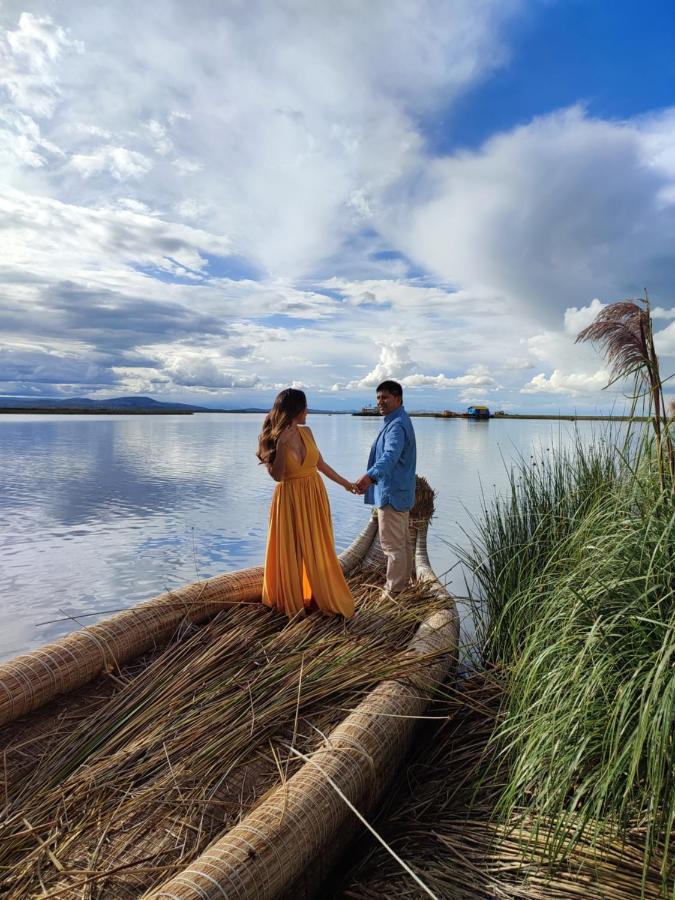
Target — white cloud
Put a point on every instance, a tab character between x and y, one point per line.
664	342
54	240
442	381
514	363
551	214
160	137
401	294
288	120
190	209
27	57
116	161
471	396
570	384
135	206
186	166
578	319
294	137
192	370
394	362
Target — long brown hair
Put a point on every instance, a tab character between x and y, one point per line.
288	404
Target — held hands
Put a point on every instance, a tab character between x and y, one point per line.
360	486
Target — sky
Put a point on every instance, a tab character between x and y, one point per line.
209	202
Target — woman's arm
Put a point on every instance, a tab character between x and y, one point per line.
324	468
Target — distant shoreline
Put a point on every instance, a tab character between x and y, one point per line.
135	411
74	411
570	417
95	412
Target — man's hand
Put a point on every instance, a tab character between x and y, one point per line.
364	483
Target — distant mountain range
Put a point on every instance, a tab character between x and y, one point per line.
119	404
133	404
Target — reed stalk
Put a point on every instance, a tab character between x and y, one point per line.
118	801
554	776
576	568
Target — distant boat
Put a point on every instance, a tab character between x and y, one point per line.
478	412
367	411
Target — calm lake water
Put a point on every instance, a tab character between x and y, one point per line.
98	513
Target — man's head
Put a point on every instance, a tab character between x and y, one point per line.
389	397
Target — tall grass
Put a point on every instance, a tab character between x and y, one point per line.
576	569
442	822
516	535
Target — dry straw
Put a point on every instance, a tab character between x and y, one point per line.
442	820
121	784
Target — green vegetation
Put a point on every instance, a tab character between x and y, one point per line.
553	775
568	788
576	568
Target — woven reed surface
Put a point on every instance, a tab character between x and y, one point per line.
353	556
266	852
45	732
132	794
29	681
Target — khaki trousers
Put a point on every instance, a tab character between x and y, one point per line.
395	542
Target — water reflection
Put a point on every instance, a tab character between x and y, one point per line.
100	513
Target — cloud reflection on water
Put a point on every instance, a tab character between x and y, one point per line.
97	514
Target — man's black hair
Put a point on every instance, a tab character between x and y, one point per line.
392	387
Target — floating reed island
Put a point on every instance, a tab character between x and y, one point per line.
200	745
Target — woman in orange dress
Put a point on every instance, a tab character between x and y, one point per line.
301	567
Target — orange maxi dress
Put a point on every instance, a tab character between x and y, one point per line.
301	565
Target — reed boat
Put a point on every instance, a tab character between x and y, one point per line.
199	745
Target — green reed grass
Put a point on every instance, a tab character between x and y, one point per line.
442	821
575	567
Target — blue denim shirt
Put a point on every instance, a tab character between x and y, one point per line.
391	463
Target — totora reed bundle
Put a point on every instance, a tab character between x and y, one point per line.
442	821
171	751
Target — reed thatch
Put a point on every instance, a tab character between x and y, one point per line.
121	784
263	855
29	681
442	822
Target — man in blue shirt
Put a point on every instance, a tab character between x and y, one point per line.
389	483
